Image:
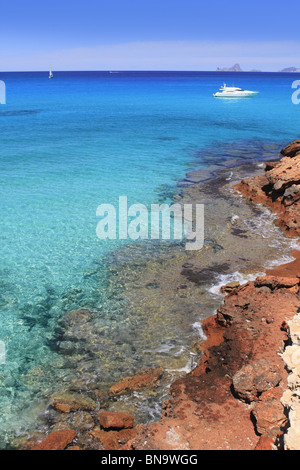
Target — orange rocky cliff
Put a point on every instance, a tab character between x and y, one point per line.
238	396
279	189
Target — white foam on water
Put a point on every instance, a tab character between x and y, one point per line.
198	327
190	365
192	361
224	279
278	262
234	218
287	258
263	224
295	244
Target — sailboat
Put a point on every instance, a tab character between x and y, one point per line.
50	73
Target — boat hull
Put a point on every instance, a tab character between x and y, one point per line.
243	94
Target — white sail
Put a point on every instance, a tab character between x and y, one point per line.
50	73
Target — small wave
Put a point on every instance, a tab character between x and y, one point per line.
224	279
198	327
233	219
295	244
190	365
287	258
278	262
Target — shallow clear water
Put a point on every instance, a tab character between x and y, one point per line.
83	139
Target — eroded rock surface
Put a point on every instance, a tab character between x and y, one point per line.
279	188
204	412
113	420
142	379
67	402
57	440
254	379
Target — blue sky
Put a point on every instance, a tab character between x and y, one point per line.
149	34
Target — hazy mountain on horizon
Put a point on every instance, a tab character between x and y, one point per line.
290	70
234	68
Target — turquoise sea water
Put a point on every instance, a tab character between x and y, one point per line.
83	139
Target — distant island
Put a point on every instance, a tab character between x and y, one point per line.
290	70
237	68
234	68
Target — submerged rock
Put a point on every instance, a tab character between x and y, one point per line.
142	379
109	440
67	402
57	440
80	421
113	420
77	316
112	440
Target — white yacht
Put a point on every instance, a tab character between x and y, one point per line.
233	92
50	73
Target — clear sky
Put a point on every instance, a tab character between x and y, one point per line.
149	34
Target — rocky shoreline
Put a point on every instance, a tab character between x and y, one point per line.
240	396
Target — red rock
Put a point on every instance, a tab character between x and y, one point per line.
74	448
270	165
252	188
292	149
269	441
275	282
269	412
112	420
214	335
202	412
230	287
255	378
57	440
286	174
113	440
126	435
279	189
143	379
67	402
109	440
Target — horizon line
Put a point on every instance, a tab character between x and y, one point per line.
150	70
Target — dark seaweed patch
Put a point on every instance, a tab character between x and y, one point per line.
206	275
21	112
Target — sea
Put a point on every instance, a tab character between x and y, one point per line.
83	139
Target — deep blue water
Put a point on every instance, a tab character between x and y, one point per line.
85	138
